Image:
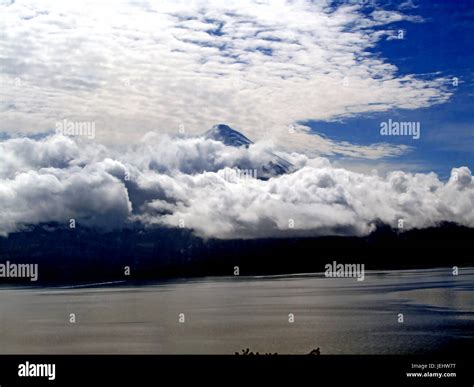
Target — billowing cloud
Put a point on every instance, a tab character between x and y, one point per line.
171	182
132	67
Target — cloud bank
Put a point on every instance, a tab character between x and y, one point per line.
172	182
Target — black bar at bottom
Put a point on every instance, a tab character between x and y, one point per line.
155	370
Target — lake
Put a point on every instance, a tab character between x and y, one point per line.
224	315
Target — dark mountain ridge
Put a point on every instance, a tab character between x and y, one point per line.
85	255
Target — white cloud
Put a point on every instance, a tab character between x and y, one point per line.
139	67
185	179
258	66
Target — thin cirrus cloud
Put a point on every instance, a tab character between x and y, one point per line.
134	67
164	182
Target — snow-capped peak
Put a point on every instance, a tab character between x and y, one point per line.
230	137
227	135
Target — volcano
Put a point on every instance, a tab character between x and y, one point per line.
275	167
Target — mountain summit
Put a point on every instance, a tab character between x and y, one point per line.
227	135
231	137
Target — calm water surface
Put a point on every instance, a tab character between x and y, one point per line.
224	315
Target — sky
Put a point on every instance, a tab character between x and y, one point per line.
313	82
260	67
441	44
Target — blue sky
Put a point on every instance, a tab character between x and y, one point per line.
442	43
